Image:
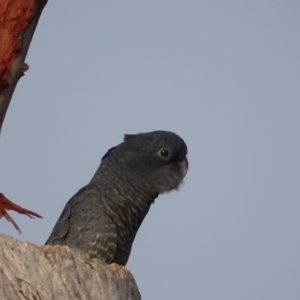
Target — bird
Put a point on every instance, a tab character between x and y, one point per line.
6	204
103	217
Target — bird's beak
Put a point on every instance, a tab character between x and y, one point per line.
184	165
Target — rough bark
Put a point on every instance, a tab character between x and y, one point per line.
55	272
18	20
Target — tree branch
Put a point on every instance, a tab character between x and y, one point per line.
18	20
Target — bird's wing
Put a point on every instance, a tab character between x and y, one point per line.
62	225
83	225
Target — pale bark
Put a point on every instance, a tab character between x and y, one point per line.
59	273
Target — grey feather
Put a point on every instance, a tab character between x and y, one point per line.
103	217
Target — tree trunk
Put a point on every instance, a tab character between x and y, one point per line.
59	273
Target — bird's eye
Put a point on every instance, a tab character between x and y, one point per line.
164	152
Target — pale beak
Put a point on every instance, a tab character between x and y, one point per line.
184	165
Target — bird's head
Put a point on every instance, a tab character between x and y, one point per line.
154	160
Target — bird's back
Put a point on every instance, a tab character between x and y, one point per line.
84	224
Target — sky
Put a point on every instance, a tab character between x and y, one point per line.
224	75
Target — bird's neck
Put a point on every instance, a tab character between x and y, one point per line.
128	196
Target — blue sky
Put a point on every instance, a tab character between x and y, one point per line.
224	75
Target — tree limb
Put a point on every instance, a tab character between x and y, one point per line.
18	20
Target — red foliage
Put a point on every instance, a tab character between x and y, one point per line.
6	204
14	19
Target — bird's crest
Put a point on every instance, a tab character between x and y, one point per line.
127	137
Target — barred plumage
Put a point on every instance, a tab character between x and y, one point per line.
103	217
